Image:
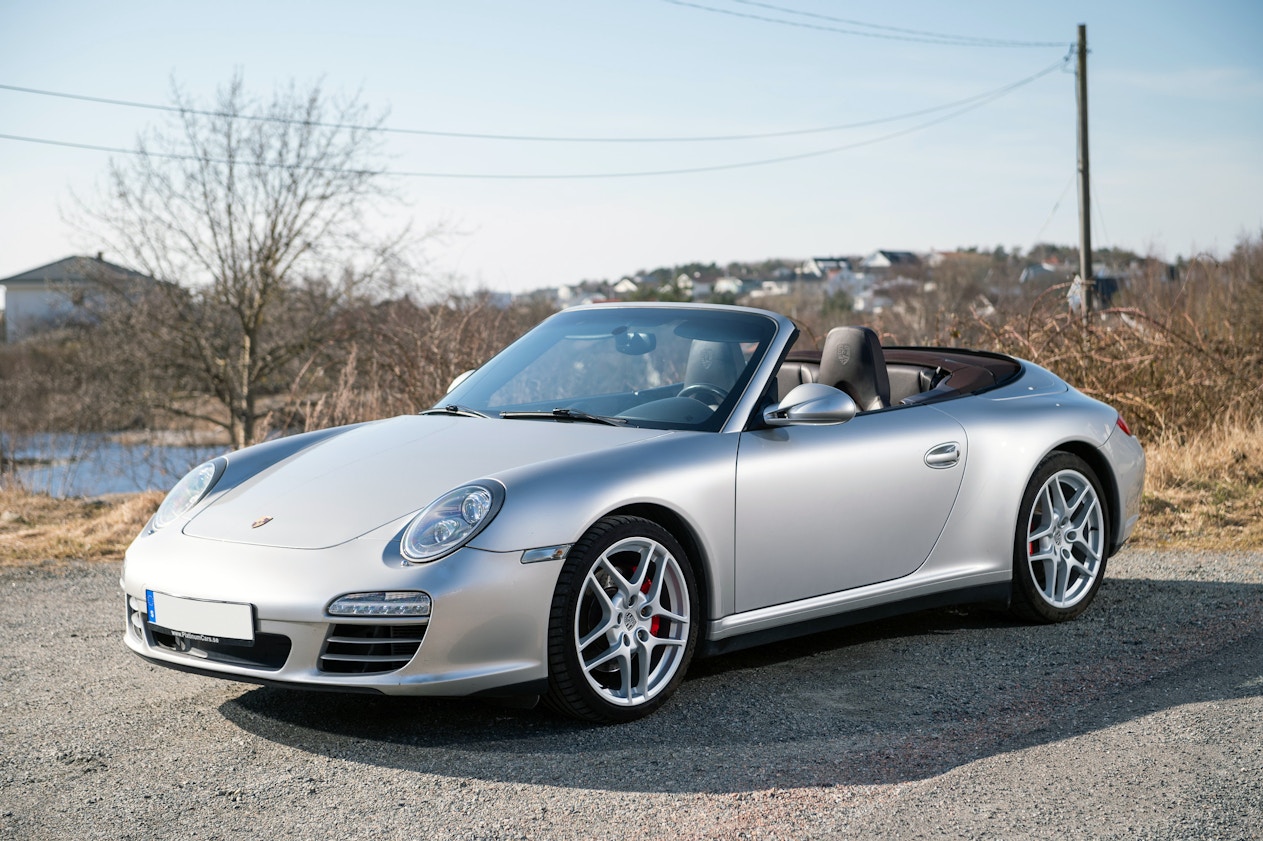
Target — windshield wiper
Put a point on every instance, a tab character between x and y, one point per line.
563	415
454	409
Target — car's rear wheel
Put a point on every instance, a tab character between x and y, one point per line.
623	624
1061	544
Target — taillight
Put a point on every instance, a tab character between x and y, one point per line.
1122	424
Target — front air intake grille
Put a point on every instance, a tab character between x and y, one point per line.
269	651
370	649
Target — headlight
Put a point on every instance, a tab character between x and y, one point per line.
188	492
451	521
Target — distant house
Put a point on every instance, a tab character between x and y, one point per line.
937	258
887	293
826	267
882	260
769	288
1043	275
838	274
728	286
62	293
626	286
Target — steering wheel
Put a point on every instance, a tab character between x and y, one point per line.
699	391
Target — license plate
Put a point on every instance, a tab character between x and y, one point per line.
202	621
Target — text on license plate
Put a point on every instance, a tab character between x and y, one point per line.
219	622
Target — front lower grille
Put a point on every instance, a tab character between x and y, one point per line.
269	651
369	649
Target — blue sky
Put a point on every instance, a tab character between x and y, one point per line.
1175	94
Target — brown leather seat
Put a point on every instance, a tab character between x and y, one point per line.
852	360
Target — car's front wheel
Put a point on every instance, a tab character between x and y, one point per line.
1060	548
623	623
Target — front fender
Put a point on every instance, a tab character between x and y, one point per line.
690	473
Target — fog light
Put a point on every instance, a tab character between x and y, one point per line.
396	603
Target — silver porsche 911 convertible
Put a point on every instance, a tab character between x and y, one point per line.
627	487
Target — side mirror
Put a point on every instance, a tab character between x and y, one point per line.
812	404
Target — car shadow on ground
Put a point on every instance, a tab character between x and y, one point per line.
893	701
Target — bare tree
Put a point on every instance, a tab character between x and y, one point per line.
258	218
407	354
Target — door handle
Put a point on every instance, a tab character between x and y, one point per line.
943	456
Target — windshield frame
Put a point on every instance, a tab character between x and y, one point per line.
773	334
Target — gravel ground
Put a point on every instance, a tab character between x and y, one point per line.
1143	719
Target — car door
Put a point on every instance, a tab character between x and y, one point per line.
822	509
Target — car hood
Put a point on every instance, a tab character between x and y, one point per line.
371	475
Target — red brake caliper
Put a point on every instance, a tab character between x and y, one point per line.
653	626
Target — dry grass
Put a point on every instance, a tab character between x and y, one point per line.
1206	492
36	529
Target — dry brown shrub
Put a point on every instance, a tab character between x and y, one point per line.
1168	375
1179	357
407	355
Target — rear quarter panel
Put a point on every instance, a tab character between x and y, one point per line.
1010	431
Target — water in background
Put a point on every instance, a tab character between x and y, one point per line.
92	464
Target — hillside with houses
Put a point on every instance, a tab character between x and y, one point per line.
870	284
69	291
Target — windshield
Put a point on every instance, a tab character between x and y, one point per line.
660	367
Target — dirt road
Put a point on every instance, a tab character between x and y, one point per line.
1143	719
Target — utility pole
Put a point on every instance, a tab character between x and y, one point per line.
1085	203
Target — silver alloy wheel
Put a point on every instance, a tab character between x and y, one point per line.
632	622
1065	541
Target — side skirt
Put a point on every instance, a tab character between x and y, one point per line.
997	594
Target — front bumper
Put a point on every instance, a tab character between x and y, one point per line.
487	630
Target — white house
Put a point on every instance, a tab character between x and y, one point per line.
728	286
883	260
838	275
826	268
54	295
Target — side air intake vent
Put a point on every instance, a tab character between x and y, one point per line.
370	649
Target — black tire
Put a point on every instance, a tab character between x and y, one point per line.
1061	542
623	624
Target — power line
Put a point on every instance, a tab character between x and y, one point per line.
973	105
1099	218
714	138
1056	206
889	33
975	40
